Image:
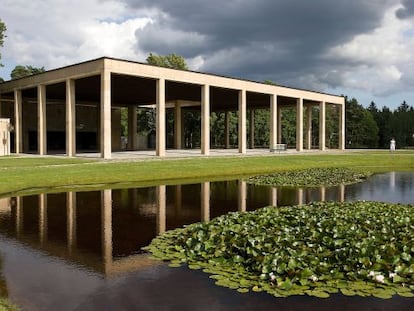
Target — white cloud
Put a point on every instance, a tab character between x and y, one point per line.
57	33
277	40
377	62
111	39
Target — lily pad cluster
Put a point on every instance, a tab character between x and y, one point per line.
354	248
311	177
6	305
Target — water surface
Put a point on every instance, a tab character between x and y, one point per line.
82	251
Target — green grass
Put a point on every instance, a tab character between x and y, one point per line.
37	174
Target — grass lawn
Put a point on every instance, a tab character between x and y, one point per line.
38	174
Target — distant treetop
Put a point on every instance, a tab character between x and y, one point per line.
23	71
170	61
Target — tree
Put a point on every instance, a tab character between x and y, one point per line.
361	128
2	36
402	125
382	118
23	71
170	61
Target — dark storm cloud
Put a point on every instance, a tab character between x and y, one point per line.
257	39
407	11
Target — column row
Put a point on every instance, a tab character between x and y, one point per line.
105	134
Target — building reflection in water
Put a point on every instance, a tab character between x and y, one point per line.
105	230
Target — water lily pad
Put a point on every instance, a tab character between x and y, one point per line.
357	248
405	294
348	292
311	177
318	293
383	293
243	290
257	289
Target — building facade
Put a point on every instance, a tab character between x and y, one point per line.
77	108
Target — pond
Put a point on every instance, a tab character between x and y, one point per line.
82	251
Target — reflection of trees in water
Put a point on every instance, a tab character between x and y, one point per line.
3	285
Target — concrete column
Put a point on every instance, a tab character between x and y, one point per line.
322	193
205	119
19	216
242	121
205	201
273	196
342	126
178	126
242	196
299	196
71	220
70	118
227	129
42	218
160	103
251	129
341	193
18	121
41	119
106	228
132	128
273	121
309	128
279	125
105	113
299	124
322	125
161	212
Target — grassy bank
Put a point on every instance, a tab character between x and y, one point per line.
31	175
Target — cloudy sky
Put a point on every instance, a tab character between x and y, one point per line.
359	48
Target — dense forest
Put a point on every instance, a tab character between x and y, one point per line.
374	128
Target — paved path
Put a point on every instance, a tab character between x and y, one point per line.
192	153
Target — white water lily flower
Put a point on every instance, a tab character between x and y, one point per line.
313	278
371	273
379	278
392	274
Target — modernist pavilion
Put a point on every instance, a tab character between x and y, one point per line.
78	108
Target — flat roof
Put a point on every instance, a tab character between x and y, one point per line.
129	75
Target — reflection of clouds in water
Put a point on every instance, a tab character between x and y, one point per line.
393	187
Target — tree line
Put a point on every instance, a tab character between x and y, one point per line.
372	127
